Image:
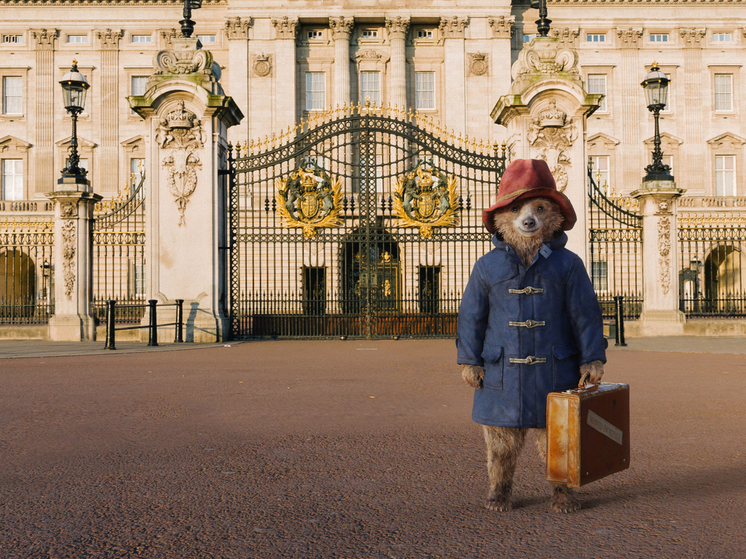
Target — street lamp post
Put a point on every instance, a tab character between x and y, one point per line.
74	91
542	24
655	85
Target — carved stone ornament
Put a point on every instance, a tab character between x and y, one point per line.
453	27
237	28
285	28
629	38
566	36
109	39
397	27
544	58
262	65
693	37
664	248
68	256
182	133
369	55
309	198
186	61
341	27
68	209
502	27
44	38
551	135
426	198
478	64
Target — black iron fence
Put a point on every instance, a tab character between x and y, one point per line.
26	269
712	282
615	248
119	254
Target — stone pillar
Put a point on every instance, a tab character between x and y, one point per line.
285	101
633	105
187	117
692	161
545	113
73	262
341	28
502	34
452	30
44	172
660	261
237	30
109	182
397	29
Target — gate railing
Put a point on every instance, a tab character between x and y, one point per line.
368	271
26	261
712	282
119	254
615	249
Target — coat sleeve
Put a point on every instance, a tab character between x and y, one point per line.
585	314
472	320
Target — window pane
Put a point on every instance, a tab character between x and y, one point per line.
12	95
597	84
12	179
723	92
424	90
138	85
315	91
370	87
600	169
725	175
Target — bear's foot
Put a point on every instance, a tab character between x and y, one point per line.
499	498
563	499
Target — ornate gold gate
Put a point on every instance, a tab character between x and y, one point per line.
362	222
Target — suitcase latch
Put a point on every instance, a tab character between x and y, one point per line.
530	360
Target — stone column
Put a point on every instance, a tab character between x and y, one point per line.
187	116
660	311
633	104
73	262
452	30
502	34
237	30
341	30
109	182
692	157
44	172
397	29
285	98
545	113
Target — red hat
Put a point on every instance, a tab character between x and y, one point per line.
528	178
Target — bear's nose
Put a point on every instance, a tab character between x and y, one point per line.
529	223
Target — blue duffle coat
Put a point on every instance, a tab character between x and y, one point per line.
530	328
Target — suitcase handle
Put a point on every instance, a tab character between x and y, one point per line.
584	381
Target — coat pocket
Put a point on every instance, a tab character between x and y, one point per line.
566	369
493	366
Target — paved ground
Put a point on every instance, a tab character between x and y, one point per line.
348	450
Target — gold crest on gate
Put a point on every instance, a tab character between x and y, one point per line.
309	198
426	198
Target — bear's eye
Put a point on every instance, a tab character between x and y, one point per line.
540	209
514	209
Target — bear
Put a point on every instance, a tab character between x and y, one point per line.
529	324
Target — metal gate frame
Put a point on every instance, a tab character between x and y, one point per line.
398	237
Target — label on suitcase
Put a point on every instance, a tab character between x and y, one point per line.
587	433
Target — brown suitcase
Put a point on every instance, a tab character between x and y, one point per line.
587	433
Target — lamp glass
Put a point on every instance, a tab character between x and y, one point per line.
655	85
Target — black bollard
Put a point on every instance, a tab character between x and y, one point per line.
153	330
618	302
179	339
110	344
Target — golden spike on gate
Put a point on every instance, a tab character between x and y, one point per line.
410	114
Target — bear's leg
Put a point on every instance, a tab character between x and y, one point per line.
503	446
563	497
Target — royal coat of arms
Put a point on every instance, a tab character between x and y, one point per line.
309	198
426	198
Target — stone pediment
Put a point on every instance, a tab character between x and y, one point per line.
602	139
133	144
82	143
666	140
9	143
727	140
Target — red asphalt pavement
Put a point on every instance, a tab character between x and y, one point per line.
355	450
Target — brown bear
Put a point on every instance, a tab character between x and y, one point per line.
529	324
